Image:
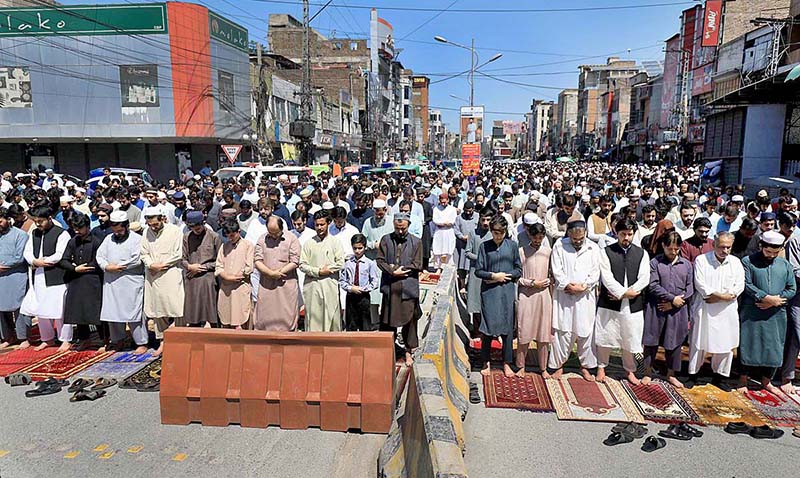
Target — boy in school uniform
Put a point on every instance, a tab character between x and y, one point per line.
358	277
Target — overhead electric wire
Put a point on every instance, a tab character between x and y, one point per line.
438	14
499	10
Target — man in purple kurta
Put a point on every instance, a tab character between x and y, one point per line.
666	314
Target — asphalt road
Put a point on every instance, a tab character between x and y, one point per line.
120	434
504	442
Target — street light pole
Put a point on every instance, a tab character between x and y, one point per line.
474	60
472	75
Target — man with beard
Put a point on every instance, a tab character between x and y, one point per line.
321	259
13	279
742	237
699	243
125	205
599	223
210	209
718	280
200	249
400	260
84	279
163	287
465	222
477	236
648	224
766	223
374	229
769	283
361	213
45	298
556	220
624	275
575	265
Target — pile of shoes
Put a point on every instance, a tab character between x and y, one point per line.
89	390
82	389
762	432
628	432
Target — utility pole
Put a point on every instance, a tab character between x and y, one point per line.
303	129
472	74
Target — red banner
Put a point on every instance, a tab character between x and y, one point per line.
712	22
471	158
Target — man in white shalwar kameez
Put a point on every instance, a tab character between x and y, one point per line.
620	312
45	297
718	281
162	251
444	236
575	264
119	256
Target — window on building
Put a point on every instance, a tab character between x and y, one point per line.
406	93
337	45
294	111
406	111
353	46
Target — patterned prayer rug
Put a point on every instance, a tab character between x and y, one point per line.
64	365
119	366
717	407
528	393
660	402
429	278
781	412
576	399
150	372
16	360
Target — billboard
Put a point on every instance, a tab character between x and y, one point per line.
471	124
711	23
511	127
470	158
15	87
139	85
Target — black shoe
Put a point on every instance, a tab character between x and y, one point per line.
720	382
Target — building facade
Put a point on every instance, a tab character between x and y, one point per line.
156	86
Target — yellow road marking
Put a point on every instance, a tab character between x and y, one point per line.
180	457
72	454
102	447
135	449
106	455
4	453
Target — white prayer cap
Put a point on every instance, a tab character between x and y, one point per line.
737	198
197	177
535	195
327	205
283	177
635	194
152	211
479	190
81	190
293	180
634	184
578	190
170	192
368	191
48	170
794	202
378	203
530	218
119	216
773	238
763	194
586	198
161	195
69	184
66	198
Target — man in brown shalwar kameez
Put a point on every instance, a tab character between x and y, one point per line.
400	260
200	249
233	267
277	258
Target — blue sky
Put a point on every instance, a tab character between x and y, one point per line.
539	48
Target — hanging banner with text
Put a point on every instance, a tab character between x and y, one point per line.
711	23
471	158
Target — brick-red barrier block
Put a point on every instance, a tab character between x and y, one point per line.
331	380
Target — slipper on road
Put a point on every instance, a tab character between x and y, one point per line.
736	428
617	438
690	430
103	383
674	432
80	384
44	388
17	379
766	432
653	443
474	395
633	429
87	395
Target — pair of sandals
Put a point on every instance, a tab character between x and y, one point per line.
46	387
89	390
761	433
627	432
18	379
681	431
149	385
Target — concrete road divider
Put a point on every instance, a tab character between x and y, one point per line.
335	381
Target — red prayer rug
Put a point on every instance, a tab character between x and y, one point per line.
16	360
717	407
782	412
64	365
429	278
577	399
660	402
528	393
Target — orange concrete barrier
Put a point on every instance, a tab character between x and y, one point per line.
334	381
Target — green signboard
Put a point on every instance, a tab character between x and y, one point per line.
228	32
84	20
